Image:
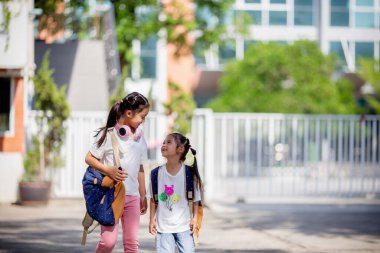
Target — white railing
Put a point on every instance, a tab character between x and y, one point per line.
81	126
244	155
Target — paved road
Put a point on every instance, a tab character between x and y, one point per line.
282	226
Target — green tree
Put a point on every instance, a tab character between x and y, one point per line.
283	78
180	107
369	70
54	109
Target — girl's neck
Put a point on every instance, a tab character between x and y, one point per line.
173	165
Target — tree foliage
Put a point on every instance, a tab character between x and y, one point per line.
180	108
370	71
139	20
54	108
283	79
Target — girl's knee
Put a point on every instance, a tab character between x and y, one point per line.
106	244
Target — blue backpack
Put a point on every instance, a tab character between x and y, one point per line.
104	197
98	198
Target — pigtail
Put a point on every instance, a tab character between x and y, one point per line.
195	169
182	140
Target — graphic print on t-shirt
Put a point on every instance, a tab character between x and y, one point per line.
169	197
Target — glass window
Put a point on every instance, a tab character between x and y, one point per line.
199	54
227	51
364	19
364	2
337	49
339	3
277	18
5	104
253	1
302	17
148	58
248	44
256	17
364	49
278	1
339	15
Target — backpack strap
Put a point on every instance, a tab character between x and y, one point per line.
189	183
116	148
154	184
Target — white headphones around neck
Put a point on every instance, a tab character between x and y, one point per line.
124	131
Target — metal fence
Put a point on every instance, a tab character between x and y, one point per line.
245	155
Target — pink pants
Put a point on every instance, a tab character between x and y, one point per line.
130	221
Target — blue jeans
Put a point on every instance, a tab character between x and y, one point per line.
166	242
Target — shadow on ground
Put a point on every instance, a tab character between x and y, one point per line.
315	219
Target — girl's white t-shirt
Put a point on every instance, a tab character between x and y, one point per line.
132	155
172	214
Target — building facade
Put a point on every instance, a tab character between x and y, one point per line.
16	69
348	28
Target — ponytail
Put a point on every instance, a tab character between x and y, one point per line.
182	140
133	101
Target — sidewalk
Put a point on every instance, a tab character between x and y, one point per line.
275	226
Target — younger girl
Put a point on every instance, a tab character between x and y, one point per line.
124	120
170	219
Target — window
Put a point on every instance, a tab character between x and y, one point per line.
199	54
278	1
227	51
337	49
277	18
363	49
252	1
303	12
148	58
364	2
248	44
5	104
339	15
255	16
364	19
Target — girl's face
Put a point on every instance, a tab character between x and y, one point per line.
134	120
169	148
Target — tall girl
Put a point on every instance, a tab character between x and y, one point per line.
124	120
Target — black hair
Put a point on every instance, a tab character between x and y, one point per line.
134	101
182	140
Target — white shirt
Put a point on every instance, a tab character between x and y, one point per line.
172	215
132	155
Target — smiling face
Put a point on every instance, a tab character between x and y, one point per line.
170	148
134	120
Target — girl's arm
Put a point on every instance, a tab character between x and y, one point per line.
193	222
142	190
152	217
111	171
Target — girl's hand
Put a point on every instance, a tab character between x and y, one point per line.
116	173
193	225
143	205
152	227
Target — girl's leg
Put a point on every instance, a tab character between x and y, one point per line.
130	221
108	237
185	242
165	243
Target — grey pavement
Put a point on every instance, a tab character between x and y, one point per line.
267	226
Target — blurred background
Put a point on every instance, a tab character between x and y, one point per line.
279	97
